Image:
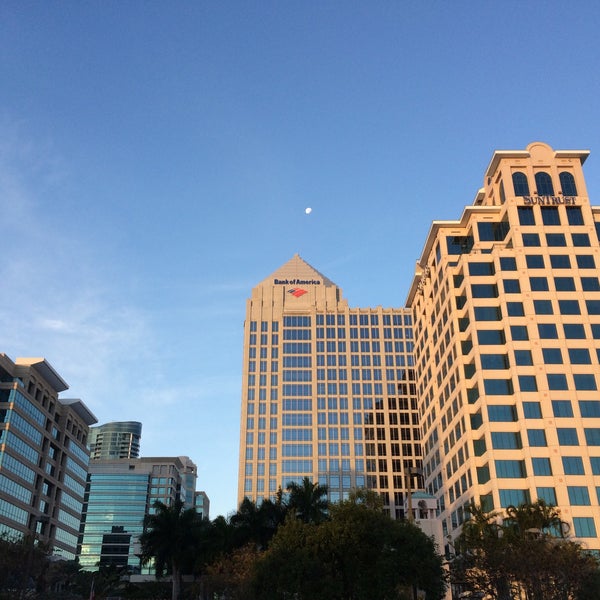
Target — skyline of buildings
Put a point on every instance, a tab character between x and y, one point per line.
482	389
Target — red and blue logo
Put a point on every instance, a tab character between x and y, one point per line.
297	292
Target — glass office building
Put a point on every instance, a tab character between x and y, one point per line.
120	439
43	454
506	310
329	391
119	494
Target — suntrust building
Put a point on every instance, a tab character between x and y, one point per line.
506	310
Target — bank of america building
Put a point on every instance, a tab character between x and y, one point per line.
329	391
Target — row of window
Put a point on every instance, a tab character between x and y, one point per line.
532	410
543	184
556	240
557	261
550	215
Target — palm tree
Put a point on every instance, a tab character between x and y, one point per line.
308	500
170	537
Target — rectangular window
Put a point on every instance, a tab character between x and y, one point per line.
534	261
519	333
585	261
574	331
547	331
523	358
488	337
579	495
484	290
573	465
593	307
580	356
498	387
569	307
557	381
567	436
595	463
556	240
481	268
514	497
574	215
510	469
541	466
531	240
504	413
532	410
562	408
560	261
581	240
589	408
527	383
564	284
508	263
506	440
515	309
552	356
487	313
584	527
592	436
537	437
550	215
494	361
526	216
511	286
547	494
585	382
543	307
538	284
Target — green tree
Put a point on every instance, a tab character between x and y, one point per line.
358	554
171	537
522	554
308	501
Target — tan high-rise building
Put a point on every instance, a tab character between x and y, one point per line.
328	391
506	310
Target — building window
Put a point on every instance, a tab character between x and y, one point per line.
543	183
584	527
552	356
515	309
494	361
520	184
567	436
585	382
580	356
538	284
564	284
560	261
511	286
508	263
547	494
541	466
506	440
487	313
527	383
532	410
585	261
562	408
568	187
574	331
555	240
510	469
534	261
581	240
550	215
481	268
531	240
526	216
589	408
484	290
504	413
519	333
590	284
514	497
579	495
547	331
490	337
498	387
523	357
569	307
573	465
537	437
592	436
557	381
543	307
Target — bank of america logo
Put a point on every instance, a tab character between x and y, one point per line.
297	292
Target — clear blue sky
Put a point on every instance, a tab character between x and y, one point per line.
156	159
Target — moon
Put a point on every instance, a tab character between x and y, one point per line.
308	210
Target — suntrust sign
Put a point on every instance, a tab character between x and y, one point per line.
550	200
296	282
